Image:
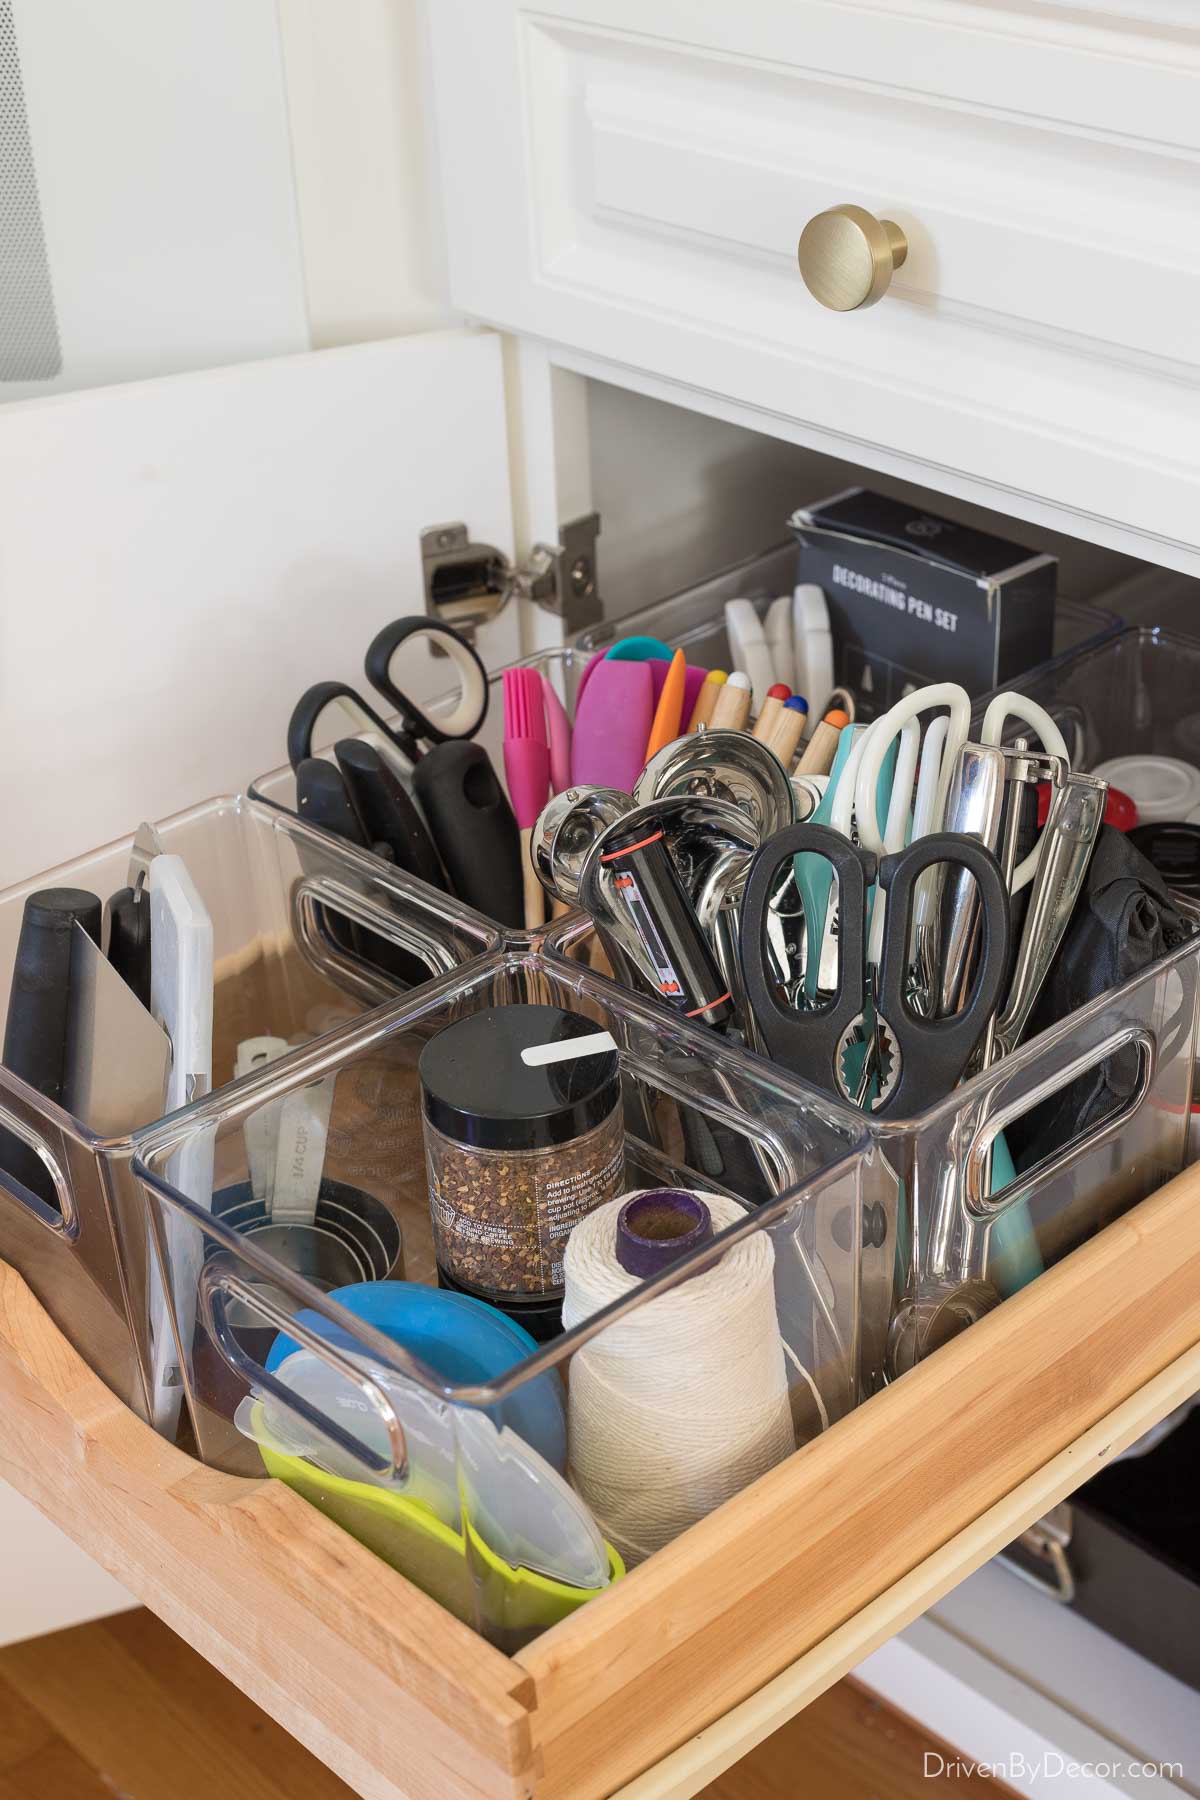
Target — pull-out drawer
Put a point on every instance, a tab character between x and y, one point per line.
749	1614
631	180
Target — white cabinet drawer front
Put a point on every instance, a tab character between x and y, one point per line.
632	180
1009	222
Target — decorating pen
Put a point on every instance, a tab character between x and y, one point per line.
706	699
789	729
733	703
668	721
822	746
772	706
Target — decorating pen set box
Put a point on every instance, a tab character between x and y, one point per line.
915	598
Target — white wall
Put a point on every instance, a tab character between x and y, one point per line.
349	159
180	559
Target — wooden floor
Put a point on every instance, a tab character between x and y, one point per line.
847	1746
123	1710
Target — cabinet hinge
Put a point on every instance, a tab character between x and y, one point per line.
466	583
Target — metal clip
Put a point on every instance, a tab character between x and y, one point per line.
1046	1544
146	846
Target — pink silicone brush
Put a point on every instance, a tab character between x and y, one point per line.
527	771
558	729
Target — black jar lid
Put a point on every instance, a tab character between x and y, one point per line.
478	1088
540	1314
1173	846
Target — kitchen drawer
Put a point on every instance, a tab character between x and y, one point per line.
630	180
749	1614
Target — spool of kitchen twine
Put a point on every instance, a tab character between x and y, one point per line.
685	1402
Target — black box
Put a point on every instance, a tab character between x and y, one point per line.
914	598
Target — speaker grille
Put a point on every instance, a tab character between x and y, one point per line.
29	347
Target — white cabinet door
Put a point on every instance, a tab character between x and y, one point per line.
629	178
180	558
46	1581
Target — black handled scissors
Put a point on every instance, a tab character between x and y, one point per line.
918	1060
400	742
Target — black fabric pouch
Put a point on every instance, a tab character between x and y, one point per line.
1124	920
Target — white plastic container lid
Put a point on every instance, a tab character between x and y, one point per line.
520	1506
1161	787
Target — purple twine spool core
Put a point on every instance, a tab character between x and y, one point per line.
658	1227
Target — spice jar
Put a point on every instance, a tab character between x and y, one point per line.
524	1136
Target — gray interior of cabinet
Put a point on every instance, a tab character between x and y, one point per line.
681	495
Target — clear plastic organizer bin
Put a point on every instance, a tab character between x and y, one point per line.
696	1113
944	1240
693	620
307	935
976	1241
1136	692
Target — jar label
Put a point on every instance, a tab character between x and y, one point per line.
501	1219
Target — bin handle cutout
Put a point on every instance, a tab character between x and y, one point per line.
64	1222
985	1207
217	1285
314	895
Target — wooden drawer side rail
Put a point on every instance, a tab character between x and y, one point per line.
717	1614
374	1677
701	1759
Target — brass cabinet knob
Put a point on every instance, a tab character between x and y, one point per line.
847	257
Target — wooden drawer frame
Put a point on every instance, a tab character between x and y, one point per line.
820	1561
